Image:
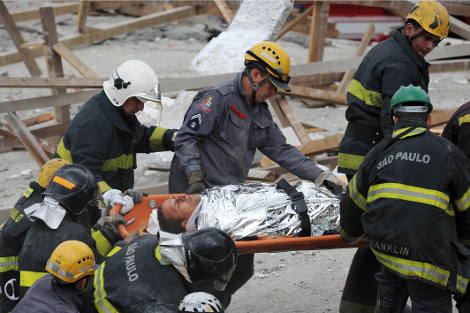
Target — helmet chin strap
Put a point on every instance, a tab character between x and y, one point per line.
255	86
416	36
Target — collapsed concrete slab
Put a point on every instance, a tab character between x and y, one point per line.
255	21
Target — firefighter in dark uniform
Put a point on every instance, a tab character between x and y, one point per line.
105	135
60	217
412	194
155	272
14	233
397	61
227	122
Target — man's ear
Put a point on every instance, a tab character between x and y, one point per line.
184	223
395	119
429	121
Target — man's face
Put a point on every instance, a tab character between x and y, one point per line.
423	44
180	207
264	91
132	105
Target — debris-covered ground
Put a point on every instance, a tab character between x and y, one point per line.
307	281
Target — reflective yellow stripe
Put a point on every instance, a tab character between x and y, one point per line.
464	202
102	244
414	269
465	242
63	152
416	131
464	119
410	193
156	139
28	192
358	199
372	98
351	161
9	263
462	284
103	186
114	251
101	303
27	279
125	161
345	236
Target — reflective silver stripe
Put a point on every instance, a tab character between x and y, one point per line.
9	263
99	289
464	202
461	284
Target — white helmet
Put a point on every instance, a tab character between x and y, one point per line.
200	302
134	78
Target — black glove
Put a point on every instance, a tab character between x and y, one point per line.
108	225
136	196
197	182
168	139
127	240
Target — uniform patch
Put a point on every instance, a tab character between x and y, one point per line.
206	104
240	114
195	122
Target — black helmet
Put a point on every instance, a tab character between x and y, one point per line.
210	254
74	187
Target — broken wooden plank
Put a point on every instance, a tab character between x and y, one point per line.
121	28
447	52
318	31
440	117
83	10
296	21
18	40
10	140
274	101
73	60
348	76
28	140
48	82
140	9
262	175
450	66
315	94
224	10
53	60
293	119
38	119
47	101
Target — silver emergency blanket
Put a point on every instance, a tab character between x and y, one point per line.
256	209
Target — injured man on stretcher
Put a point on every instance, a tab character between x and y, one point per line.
252	209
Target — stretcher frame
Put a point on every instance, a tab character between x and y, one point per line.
139	215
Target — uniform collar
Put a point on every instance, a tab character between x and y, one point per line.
406	46
112	113
410	122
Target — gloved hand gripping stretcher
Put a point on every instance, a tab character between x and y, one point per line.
260	217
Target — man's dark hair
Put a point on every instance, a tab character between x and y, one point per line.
423	116
415	24
250	66
171	224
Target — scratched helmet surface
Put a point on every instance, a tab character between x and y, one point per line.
432	17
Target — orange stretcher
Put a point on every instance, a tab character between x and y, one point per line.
140	214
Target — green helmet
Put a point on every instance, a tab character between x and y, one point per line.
417	99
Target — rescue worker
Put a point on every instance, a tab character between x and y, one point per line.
397	61
412	194
71	267
167	267
60	217
227	122
105	135
457	131
200	302
14	233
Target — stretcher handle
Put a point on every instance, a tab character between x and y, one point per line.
122	229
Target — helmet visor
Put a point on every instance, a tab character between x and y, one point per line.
152	98
215	269
98	200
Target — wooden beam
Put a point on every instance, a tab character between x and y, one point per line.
28	141
224	10
447	52
318	31
18	40
348	76
71	58
48	82
460	28
121	28
450	66
274	101
38	119
293	119
315	79
441	117
296	21
316	94
53	60
47	101
83	10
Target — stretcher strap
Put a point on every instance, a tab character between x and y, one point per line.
298	200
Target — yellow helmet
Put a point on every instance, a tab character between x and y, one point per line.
71	261
48	170
274	59
432	17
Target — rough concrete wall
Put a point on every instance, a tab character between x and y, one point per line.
254	22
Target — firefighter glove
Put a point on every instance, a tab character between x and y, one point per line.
132	236
109	226
113	197
136	196
197	182
329	176
169	139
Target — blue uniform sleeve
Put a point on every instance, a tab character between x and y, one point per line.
288	156
200	120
